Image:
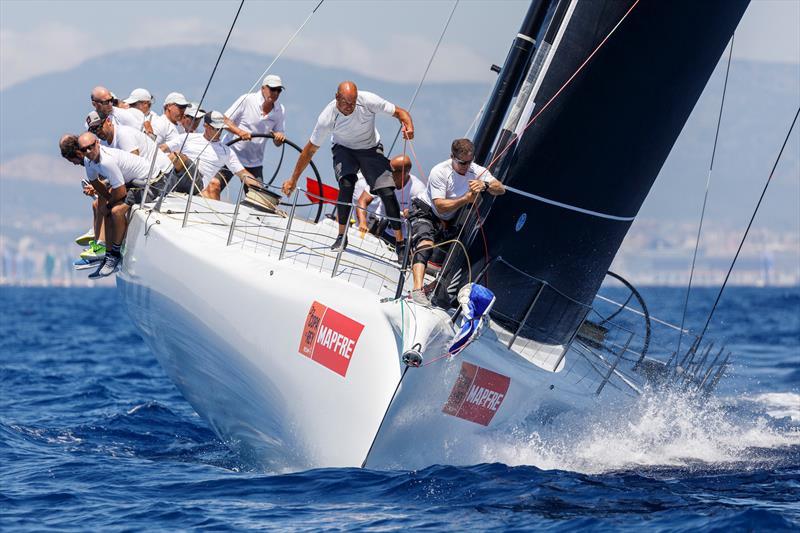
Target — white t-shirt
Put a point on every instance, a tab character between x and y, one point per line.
127	117
129	139
246	113
164	130
118	167
209	157
356	130
414	188
446	183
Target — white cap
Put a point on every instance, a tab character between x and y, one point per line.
272	81
193	111
176	98
215	119
139	95
93	119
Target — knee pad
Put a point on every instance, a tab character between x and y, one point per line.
422	255
347	185
391	205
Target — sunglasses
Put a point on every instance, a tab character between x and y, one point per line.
103	102
276	89
95	128
87	148
461	161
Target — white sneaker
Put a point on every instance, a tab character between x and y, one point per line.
418	296
109	266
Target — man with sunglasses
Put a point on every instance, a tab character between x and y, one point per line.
254	113
103	103
192	117
452	184
205	153
350	121
127	176
130	140
167	127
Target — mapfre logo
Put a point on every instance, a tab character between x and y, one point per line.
330	338
477	394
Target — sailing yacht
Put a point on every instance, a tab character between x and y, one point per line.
299	356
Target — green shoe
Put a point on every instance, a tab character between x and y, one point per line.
85	239
94	251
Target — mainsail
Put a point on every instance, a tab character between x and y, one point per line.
590	158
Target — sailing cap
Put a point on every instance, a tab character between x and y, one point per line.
176	98
194	111
139	95
272	81
215	119
93	119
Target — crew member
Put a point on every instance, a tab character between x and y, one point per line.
350	120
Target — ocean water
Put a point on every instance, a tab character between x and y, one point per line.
95	437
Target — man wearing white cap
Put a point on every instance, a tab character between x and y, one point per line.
192	117
102	101
142	100
207	154
130	140
168	126
255	113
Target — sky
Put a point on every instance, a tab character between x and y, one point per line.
391	40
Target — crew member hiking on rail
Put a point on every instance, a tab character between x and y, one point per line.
350	120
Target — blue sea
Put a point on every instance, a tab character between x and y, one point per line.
95	437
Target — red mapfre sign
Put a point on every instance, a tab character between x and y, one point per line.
477	394
329	338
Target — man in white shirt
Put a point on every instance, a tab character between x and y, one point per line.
255	113
350	121
142	100
130	140
407	187
127	175
103	103
204	154
167	127
452	184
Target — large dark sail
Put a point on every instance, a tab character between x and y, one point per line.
593	153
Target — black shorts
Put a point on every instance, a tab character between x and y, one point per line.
225	175
181	181
425	225
370	161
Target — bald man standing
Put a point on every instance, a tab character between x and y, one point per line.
350	120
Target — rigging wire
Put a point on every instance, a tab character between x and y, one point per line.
705	197
219	58
425	74
749	224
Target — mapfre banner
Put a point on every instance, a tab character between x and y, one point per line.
477	394
330	338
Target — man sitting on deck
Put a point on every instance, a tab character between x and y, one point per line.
127	176
350	120
453	183
103	103
205	153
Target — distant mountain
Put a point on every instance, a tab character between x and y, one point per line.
761	99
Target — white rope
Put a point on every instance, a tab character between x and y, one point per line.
570	207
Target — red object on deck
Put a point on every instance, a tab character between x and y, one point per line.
330	194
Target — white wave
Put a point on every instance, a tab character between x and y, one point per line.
671	430
780	404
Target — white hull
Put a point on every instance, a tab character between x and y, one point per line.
227	323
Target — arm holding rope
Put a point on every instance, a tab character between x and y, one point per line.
302	162
405	120
444	205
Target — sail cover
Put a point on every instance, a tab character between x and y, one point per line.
593	154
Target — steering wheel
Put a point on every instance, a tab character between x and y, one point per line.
280	162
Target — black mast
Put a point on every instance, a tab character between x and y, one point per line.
508	81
